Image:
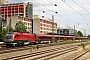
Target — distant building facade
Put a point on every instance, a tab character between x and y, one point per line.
66	31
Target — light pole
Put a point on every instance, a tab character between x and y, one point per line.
9	24
74	30
85	33
59	32
52	28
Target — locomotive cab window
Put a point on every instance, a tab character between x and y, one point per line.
16	35
9	36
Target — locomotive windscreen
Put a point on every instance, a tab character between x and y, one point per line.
9	37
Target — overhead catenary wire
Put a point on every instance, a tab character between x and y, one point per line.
80	3
88	1
80	14
74	10
81	6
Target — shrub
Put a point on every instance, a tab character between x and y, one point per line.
83	45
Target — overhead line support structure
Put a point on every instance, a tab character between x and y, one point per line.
52	28
0	17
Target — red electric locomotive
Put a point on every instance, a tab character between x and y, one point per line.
16	38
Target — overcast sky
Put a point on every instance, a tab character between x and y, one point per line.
70	12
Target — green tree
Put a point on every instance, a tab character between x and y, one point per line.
1	37
76	34
20	27
89	36
9	29
5	31
79	33
1	34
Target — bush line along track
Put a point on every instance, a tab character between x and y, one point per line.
77	57
47	52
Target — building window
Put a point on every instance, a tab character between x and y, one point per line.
26	13
28	23
41	28
26	7
41	31
40	24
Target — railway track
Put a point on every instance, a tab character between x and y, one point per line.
77	57
55	54
22	48
8	50
43	54
16	49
